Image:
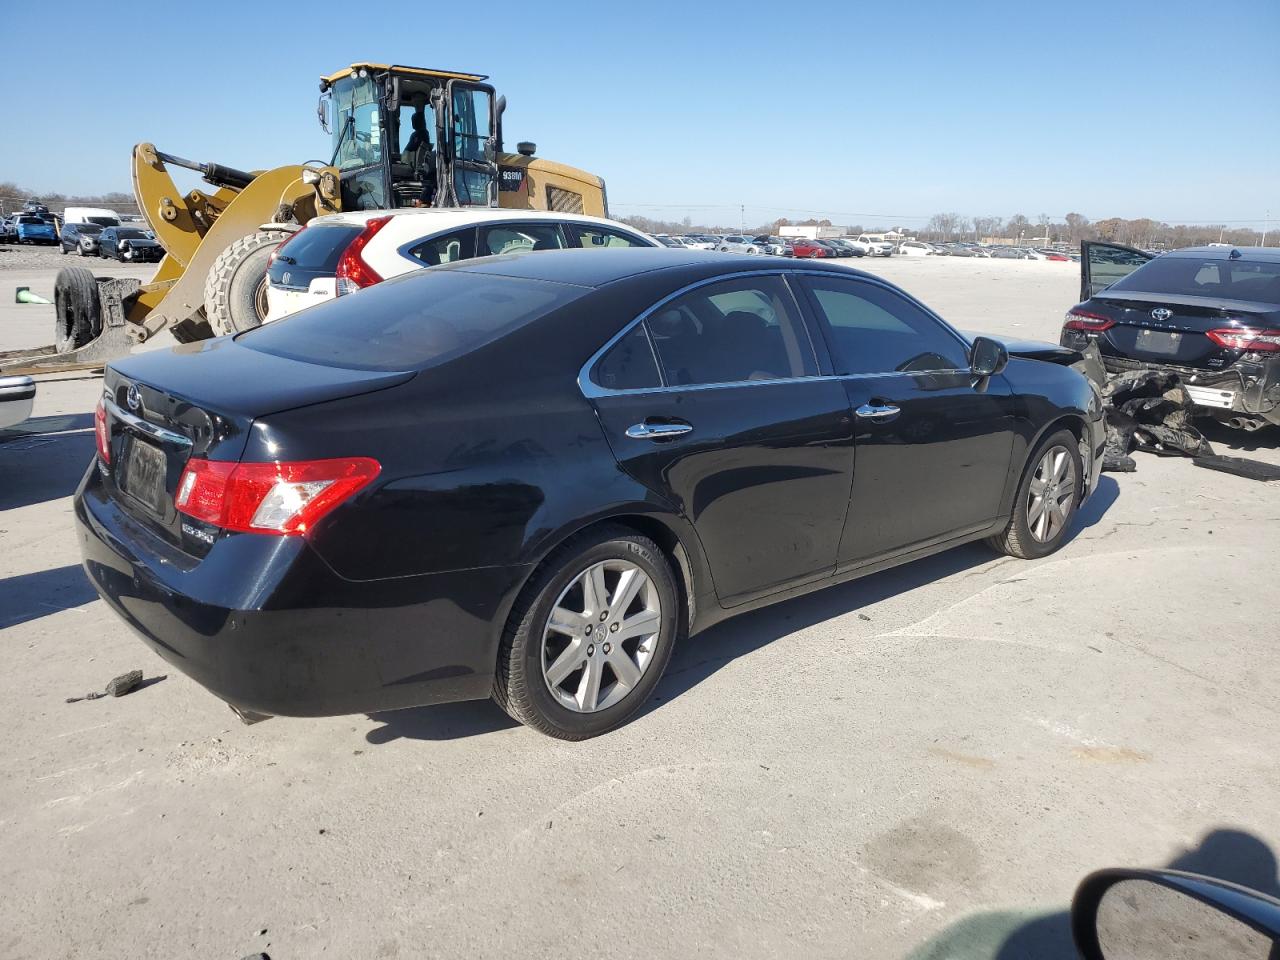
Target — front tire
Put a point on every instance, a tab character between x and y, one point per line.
590	636
1045	505
235	292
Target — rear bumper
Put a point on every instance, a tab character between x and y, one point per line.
265	624
1246	388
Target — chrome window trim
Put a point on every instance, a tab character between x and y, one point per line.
144	426
591	390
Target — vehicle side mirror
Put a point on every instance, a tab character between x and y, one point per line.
987	357
1122	913
322	111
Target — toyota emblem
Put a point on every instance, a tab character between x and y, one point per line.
134	398
1161	313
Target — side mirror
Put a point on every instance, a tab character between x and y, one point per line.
322	112
987	357
1167	913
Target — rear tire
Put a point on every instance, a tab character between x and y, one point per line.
1048	479
77	310
235	291
524	675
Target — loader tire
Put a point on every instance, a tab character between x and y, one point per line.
235	293
77	311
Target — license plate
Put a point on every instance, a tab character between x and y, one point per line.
144	476
1159	341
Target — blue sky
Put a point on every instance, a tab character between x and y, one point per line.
862	112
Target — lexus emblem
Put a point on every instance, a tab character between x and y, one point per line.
1161	313
133	398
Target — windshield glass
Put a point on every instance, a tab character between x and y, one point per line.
356	125
1256	281
90	229
125	234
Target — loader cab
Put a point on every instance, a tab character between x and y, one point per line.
407	137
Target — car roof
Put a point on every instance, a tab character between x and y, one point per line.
595	268
1268	254
461	216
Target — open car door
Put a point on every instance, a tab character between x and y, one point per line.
470	131
1102	264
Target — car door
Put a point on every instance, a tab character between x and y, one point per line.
107	242
712	400
1102	264
932	445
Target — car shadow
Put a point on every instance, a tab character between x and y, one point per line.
31	596
697	659
445	721
1225	853
1238	441
44	458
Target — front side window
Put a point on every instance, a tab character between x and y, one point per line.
730	332
518	237
459	245
597	238
874	330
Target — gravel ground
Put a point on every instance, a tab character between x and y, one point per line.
921	763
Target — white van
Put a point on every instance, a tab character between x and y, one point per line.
103	218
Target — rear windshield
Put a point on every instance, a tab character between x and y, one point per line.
319	247
1225	279
30	220
413	322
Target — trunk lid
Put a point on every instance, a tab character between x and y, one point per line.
1155	329
201	400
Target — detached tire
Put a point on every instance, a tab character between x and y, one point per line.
1045	504
590	635
77	311
235	293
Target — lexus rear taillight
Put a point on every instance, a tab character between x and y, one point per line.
1246	338
100	432
278	498
353	272
1087	322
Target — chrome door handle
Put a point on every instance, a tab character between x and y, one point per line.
875	411
657	431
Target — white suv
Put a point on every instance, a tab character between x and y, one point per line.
737	244
342	252
874	248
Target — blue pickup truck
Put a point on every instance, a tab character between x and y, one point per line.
34	229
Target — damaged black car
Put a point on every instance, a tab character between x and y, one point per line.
1207	317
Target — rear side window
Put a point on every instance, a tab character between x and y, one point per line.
598	238
417	321
629	364
873	330
730	332
318	247
519	237
449	248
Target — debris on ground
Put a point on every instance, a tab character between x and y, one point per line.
1149	410
1240	467
118	687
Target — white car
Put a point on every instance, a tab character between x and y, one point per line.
696	241
17	394
874	248
734	243
340	253
915	248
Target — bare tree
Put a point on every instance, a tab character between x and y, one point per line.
946	224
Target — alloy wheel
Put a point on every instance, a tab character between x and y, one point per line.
1052	494
601	636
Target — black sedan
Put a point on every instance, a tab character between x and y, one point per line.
526	476
129	245
1209	314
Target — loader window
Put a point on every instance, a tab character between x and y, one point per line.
357	126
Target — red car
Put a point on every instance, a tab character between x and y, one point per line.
807	248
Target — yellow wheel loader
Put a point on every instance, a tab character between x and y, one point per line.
399	137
